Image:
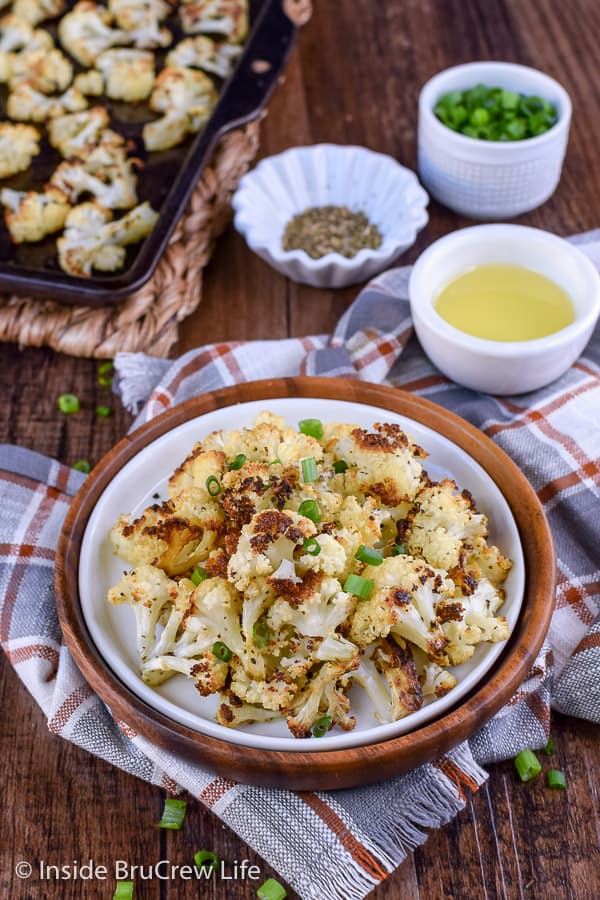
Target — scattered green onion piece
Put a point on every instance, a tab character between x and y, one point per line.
206	859
527	765
213	486
82	465
222	651
105	368
198	575
68	404
103	411
398	550
359	586
238	462
557	780
311	427
271	890
123	890
369	556
262	634
173	814
105	374
311	546
309	470
339	467
310	510
321	727
276	462
550	747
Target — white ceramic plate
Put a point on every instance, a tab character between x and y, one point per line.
113	628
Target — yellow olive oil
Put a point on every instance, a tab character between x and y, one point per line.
505	303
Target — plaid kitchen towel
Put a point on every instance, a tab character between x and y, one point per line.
342	844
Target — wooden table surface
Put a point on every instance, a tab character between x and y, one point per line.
354	78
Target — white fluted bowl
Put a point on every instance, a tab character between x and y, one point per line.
282	186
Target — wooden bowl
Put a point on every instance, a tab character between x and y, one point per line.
323	770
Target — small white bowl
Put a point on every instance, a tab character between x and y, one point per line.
282	186
491	179
503	367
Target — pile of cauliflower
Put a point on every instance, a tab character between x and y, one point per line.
287	567
103	51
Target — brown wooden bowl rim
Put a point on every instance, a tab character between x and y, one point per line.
425	743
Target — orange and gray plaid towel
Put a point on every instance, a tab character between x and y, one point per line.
335	845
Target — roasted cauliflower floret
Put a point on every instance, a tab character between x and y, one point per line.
199	469
35	11
202	52
276	692
235	713
25	104
17	40
480	607
90	83
92	241
315	607
395	662
226	17
128	74
266	547
18	145
187	98
141	18
85	32
30	216
435	681
15	33
489	561
323	696
106	173
72	134
44	70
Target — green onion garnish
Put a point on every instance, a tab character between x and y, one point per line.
82	465
494	114
369	556
311	427
309	469
339	467
399	550
198	575
550	747
123	890
527	765
359	586
262	634
271	890
105	374
69	403
557	780
276	462
103	411
173	814
221	651
238	462
310	510
321	727
206	859
311	546
213	486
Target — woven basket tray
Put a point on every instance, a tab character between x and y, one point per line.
148	319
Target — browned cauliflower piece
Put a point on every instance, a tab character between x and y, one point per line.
324	696
90	83
35	11
47	71
30	216
25	104
18	145
141	18
85	32
72	134
201	52
105	172
226	17
186	97
128	74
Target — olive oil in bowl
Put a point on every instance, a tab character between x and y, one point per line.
504	303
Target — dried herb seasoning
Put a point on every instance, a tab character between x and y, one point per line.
330	229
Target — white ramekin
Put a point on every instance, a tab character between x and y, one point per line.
282	186
503	367
491	179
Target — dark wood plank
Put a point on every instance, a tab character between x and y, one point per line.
354	78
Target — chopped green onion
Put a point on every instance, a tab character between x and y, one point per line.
173	814
494	114
359	586
276	462
309	469
82	465
398	550
198	575
311	427
312	546
369	556
557	780
262	634
527	765
69	403
238	462
206	859
213	486
123	890
103	411
339	467
321	727
105	368
105	374
310	510
271	890
222	651
550	747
